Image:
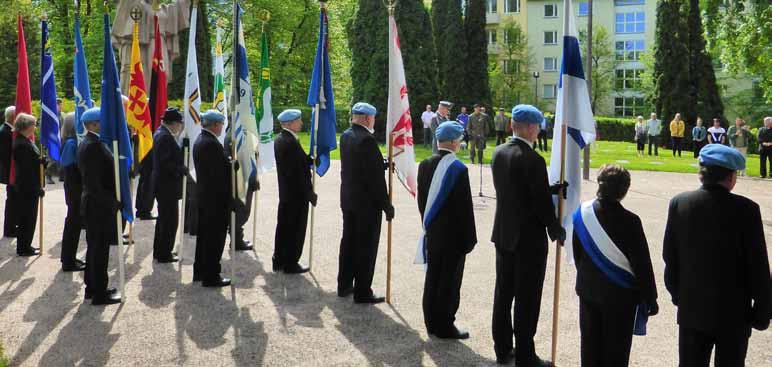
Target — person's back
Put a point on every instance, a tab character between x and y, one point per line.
362	184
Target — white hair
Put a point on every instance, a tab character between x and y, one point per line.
23	121
10	111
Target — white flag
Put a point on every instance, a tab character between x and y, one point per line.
244	125
192	102
399	124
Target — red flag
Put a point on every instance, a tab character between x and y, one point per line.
158	98
23	95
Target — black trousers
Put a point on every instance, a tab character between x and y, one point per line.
607	333
72	223
677	143
210	243
191	209
542	139
145	196
695	347
442	289
519	278
166	227
100	231
654	140
764	156
242	216
11	221
501	137
358	250
290	235
27	209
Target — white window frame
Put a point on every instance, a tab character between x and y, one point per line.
554	37
554	10
554	64
508	10
492	36
553	88
634	23
491	6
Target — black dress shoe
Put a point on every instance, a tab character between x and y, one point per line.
220	282
295	269
79	262
244	246
145	216
535	362
369	300
345	292
106	299
29	252
452	333
107	291
167	260
506	359
69	268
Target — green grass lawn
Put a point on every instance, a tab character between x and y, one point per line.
3	361
602	152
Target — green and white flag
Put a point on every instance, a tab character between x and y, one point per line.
220	102
264	114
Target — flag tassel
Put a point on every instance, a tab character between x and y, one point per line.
119	230
559	247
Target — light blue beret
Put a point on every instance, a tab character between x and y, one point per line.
289	116
92	114
449	130
362	108
722	156
213	115
527	114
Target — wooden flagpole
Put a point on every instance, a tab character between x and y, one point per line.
40	201
389	223
181	226
559	247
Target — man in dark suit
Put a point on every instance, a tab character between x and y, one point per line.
27	161
523	210
168	174
6	147
215	200
99	208
716	264
449	230
363	196
295	192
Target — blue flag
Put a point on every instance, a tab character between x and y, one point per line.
49	122
113	121
82	88
321	93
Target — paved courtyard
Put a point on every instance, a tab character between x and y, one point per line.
273	319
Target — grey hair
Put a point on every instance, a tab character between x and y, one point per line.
23	121
768	119
9	112
207	123
68	126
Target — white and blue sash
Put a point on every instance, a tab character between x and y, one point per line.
444	179
605	254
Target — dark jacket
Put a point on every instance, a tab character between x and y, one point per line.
626	231
213	173
523	201
26	157
168	165
97	170
292	168
453	229
363	185
6	147
716	265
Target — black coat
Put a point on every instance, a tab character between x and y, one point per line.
453	229
168	165
626	231
716	265
97	170
363	185
213	173
292	168
26	157
523	201
6	147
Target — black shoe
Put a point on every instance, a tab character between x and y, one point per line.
49	180
295	269
277	266
453	333
506	359
107	291
167	260
80	262
244	246
219	282
69	268
145	216
369	300
534	362
106	299
29	252
345	292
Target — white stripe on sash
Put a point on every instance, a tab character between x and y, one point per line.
605	245
431	200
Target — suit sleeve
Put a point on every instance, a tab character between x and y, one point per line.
538	189
464	193
641	263
373	172
670	253
757	267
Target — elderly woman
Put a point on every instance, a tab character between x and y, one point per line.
614	280
27	161
640	135
72	192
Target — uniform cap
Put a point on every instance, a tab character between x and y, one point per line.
446	104
722	156
362	108
289	115
92	114
527	114
449	130
213	115
172	115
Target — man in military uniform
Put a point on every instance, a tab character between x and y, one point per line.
6	147
449	231
363	196
716	264
295	192
215	200
168	174
442	115
478	131
99	208
523	210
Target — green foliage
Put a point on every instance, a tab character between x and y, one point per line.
477	83
513	84
604	63
451	47
615	129
671	65
9	44
204	56
3	360
703	86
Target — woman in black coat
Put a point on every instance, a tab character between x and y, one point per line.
27	161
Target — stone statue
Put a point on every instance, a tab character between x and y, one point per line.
173	18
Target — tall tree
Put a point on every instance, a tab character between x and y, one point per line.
439	14
671	66
204	47
510	75
478	87
451	47
703	86
604	64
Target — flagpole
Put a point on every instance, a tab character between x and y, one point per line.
391	5
236	84
181	226
40	202
559	247
315	150
264	16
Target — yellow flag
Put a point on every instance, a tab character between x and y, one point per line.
138	111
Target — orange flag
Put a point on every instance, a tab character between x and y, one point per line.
138	111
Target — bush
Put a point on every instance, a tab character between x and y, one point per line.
615	129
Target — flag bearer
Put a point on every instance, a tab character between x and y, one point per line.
168	173
27	160
6	147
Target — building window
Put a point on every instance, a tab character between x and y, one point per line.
634	22
629	50
551	37
550	64
491	6
584	9
550	10
627	79
511	6
492	35
630	106
511	66
550	91
629	2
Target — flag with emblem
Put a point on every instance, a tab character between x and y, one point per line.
138	111
49	119
220	102
158	97
82	87
320	96
192	103
266	160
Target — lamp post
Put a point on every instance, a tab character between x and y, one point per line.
536	89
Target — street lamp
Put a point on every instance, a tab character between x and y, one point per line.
536	88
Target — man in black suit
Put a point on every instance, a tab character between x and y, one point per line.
716	264
523	210
363	196
99	208
449	230
215	200
6	147
168	174
295	192
27	161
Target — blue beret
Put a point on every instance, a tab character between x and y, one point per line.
92	114
449	130
289	116
722	156
362	108
527	114
213	115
